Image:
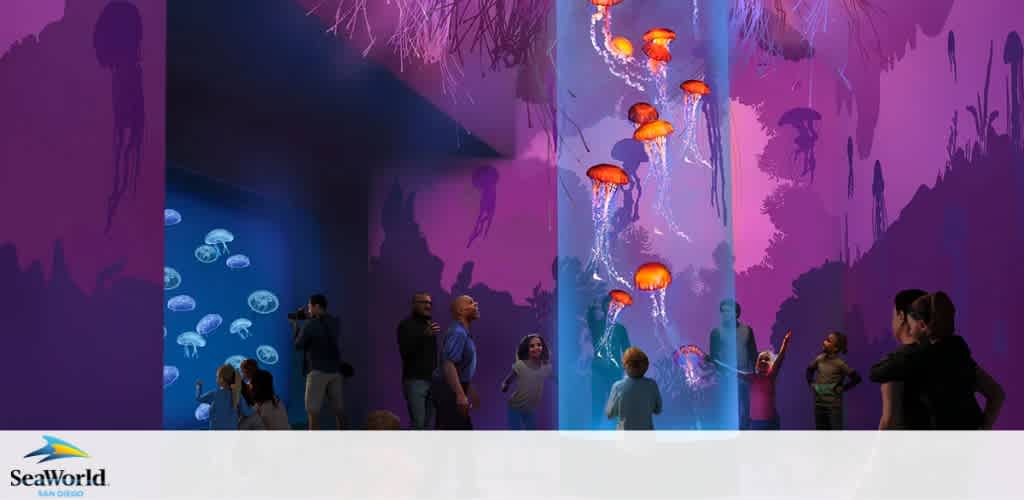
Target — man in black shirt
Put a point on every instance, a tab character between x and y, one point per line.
417	343
319	338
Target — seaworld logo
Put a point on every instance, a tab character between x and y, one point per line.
59	482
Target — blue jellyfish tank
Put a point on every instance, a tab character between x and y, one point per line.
234	265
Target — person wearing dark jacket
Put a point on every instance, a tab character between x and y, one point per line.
942	369
319	338
417	343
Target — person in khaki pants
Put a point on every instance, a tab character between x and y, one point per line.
318	338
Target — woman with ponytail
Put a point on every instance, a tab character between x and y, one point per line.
951	376
227	407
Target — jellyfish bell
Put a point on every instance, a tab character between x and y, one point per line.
604	174
191	341
652	131
695	87
657	53
642	113
171	217
659	36
605	3
237	261
220	237
208	324
621	46
171	374
621	296
652	276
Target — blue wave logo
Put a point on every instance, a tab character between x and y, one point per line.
56	449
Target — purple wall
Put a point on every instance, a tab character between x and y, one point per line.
81	298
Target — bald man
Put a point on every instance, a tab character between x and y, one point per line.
452	388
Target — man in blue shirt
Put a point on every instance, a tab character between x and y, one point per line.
319	339
452	390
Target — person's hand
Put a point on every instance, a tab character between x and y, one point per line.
462	402
474	398
434	328
789	334
199	383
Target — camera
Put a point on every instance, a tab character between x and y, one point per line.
299	314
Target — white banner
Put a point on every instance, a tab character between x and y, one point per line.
512	465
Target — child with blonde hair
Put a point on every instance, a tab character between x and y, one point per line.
227	407
635	399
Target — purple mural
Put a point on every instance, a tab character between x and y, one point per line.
83	297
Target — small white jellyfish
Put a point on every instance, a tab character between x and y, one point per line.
208	324
171	217
181	303
263	302
240	327
237	261
267	355
172	279
171	374
235	361
219	237
191	341
203	412
206	254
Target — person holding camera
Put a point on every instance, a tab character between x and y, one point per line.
318	335
417	343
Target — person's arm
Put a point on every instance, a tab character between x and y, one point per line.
994	397
888	399
510	378
201	396
453	347
715	346
301	335
852	378
751	348
813	367
777	365
892	368
611	408
244	408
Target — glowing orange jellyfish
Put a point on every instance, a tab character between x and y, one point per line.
655	278
652	277
693	91
620	300
621	46
642	113
654	135
621	297
607	179
656	46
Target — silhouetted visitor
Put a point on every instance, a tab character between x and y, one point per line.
452	389
268	406
830	377
901	402
417	343
529	373
745	347
635	399
943	369
319	338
